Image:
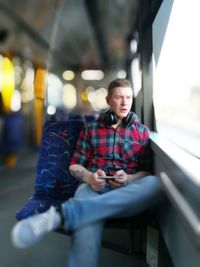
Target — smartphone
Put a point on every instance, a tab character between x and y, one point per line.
108	177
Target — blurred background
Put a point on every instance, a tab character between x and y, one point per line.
57	58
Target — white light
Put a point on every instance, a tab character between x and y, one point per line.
99	99
133	46
136	75
68	75
69	96
54	90
16	101
51	110
121	74
1	58
27	90
92	75
91	94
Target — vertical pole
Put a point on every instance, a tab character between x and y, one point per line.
39	89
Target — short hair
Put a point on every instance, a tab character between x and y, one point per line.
119	82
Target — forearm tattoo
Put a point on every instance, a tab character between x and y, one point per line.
78	174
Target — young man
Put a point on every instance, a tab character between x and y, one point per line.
115	145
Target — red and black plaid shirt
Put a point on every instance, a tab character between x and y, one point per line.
102	147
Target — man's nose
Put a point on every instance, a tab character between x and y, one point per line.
123	101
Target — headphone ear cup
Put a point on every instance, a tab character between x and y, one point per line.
130	118
110	118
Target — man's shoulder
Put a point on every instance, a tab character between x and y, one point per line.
93	124
139	124
140	127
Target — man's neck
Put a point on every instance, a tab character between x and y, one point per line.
117	124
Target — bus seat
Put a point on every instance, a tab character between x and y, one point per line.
53	183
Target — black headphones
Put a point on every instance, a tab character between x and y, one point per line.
110	118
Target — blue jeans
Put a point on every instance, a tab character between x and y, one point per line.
86	212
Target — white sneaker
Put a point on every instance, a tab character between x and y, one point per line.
31	230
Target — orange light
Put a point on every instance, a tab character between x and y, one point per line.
39	88
40	83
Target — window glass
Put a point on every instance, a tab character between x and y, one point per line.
176	79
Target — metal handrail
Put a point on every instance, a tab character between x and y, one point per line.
188	215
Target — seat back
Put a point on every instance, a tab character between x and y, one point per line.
53	179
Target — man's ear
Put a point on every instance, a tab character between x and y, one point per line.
107	100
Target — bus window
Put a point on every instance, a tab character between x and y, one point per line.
176	73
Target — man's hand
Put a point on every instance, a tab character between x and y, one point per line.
95	181
125	178
84	175
121	181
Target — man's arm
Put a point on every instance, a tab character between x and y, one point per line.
84	175
80	172
137	175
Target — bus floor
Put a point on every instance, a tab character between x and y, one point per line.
16	186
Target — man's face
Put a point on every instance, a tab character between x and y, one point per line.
120	101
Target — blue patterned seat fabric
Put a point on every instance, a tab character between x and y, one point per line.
53	184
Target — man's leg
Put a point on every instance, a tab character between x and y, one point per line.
31	230
85	245
129	200
85	241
